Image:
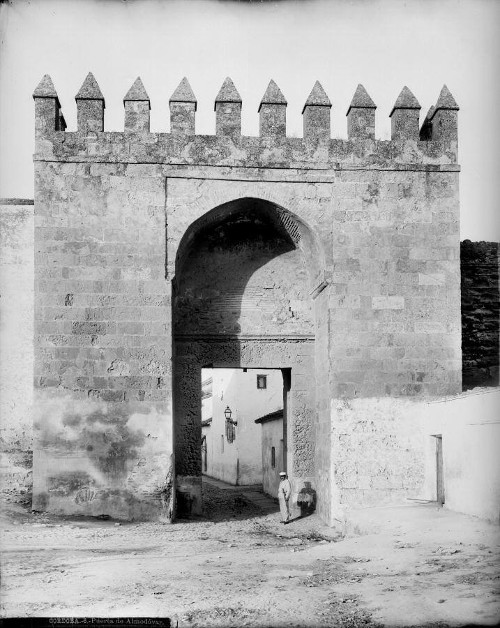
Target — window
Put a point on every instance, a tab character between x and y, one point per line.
261	381
273	457
204	452
222	443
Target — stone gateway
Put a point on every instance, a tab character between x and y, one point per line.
159	254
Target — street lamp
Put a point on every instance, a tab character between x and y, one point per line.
230	431
228	413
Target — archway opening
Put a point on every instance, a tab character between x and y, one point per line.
243	299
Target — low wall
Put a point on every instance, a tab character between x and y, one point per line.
16	343
384	452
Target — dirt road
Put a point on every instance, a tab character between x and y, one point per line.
414	565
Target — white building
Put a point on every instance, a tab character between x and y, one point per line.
273	455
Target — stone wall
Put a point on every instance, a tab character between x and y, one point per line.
395	302
102	342
16	348
479	263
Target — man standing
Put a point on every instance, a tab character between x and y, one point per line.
284	492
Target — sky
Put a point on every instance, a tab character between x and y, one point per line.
383	44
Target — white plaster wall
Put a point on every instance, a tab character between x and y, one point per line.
206	404
272	436
16	345
470	427
221	461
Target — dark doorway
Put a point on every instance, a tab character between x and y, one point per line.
439	470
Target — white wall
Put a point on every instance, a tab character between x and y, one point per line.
470	427
272	436
16	345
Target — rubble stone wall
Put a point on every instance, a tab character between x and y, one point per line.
480	263
379	452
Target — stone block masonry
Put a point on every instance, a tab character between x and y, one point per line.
103	353
157	254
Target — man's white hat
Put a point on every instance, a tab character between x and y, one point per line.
282	472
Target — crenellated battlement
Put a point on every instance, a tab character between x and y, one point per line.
433	144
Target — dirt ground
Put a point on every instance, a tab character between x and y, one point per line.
414	565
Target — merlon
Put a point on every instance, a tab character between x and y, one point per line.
183	93
361	100
317	97
405	100
228	92
90	89
137	92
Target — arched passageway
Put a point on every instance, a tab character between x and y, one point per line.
243	298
